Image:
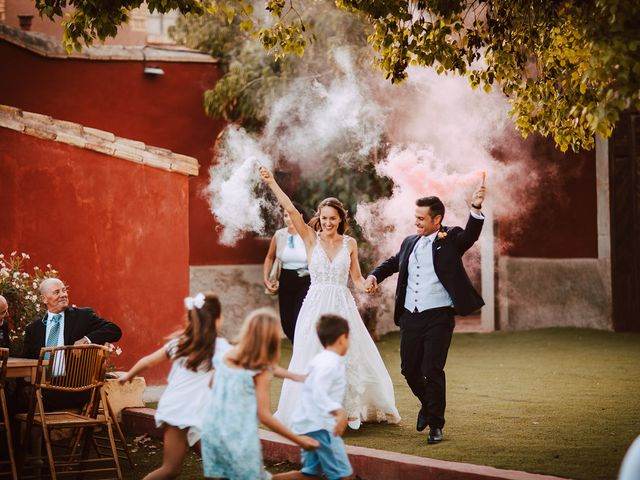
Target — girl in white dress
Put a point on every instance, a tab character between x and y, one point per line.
182	405
332	257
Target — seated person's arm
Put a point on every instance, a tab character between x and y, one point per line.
101	331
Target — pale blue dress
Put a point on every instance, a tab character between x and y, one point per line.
230	443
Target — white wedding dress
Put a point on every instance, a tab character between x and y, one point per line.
369	395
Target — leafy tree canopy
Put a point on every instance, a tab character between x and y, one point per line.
569	68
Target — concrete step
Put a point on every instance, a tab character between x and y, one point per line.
368	463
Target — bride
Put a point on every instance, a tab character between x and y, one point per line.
332	257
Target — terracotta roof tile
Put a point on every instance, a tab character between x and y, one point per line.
45	127
48	46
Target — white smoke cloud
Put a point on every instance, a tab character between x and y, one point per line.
308	124
233	183
441	136
314	121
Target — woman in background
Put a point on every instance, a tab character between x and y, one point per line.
287	252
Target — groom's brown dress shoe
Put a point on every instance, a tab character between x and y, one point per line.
422	421
435	436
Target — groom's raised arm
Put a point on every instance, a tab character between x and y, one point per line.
464	239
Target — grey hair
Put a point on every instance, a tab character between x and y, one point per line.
45	283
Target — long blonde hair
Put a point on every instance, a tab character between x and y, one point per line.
259	342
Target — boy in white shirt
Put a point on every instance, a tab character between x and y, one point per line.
320	414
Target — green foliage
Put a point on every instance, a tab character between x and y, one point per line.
20	289
91	19
251	76
568	68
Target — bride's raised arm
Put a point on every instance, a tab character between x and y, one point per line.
356	273
307	233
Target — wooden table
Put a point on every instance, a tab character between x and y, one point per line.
22	367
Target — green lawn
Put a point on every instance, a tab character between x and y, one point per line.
564	402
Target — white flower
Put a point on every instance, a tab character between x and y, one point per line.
4	272
24	255
1	255
13	253
16	274
25	275
48	265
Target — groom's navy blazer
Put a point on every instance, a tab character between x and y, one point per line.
78	323
447	263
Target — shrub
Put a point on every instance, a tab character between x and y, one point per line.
20	288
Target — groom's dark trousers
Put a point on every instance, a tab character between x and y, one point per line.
426	336
424	342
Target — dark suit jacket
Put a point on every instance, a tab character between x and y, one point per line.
78	323
4	334
447	263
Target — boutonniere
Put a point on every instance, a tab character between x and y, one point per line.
442	235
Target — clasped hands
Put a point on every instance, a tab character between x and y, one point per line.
371	285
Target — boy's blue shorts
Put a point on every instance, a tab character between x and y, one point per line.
329	458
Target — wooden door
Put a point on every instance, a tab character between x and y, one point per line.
624	177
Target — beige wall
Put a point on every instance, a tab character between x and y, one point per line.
541	292
240	290
132	34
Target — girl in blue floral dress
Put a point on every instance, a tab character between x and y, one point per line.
239	399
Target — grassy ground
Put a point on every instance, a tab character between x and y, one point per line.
564	402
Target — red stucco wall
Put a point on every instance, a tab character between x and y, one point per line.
116	231
563	220
164	111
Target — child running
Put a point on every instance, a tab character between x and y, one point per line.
183	403
239	398
320	413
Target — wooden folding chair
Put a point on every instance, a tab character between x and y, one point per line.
5	421
101	442
72	370
101	445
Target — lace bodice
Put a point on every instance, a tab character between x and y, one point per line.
330	272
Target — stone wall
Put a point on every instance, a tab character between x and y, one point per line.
241	291
541	292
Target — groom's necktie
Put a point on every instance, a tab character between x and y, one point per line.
422	244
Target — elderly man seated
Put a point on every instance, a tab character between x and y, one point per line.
4	324
65	325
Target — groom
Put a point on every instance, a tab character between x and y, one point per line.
433	286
